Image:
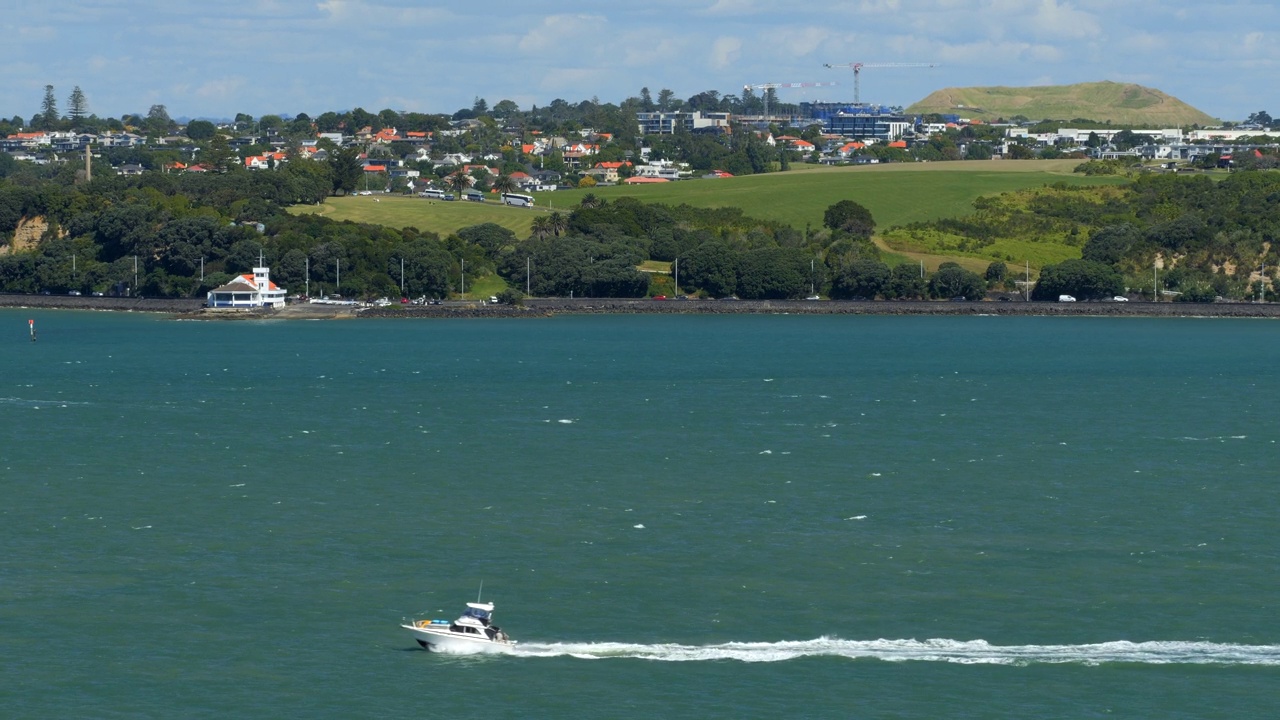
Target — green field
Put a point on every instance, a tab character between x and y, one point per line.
896	194
434	215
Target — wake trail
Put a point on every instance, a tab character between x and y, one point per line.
966	652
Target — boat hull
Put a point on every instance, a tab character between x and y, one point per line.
450	643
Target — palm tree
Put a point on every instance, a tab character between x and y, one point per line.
590	200
504	183
541	226
558	222
459	181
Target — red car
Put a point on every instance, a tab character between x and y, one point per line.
659	297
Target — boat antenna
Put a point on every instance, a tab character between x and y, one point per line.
481	592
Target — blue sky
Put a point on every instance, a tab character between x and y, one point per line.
214	58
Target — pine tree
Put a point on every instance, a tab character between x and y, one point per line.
77	106
49	109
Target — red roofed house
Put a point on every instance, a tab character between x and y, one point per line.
248	291
638	180
902	144
849	149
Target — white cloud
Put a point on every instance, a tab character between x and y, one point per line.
732	7
801	40
725	52
1064	21
563	32
318	55
221	89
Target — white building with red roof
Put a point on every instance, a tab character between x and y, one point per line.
248	291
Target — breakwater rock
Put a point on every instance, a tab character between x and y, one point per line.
88	302
193	308
907	307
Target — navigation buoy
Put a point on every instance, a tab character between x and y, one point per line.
32	325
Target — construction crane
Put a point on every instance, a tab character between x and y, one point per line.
857	73
774	86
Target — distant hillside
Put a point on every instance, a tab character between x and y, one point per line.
1122	104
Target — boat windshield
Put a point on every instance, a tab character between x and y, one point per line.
476	613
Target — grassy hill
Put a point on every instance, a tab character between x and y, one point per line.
1120	103
896	194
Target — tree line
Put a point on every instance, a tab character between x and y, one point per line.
182	235
1193	236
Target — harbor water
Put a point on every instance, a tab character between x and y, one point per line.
675	516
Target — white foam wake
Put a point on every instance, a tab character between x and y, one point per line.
973	652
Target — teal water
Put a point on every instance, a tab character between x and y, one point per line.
688	517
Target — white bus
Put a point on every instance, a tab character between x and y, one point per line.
432	193
517	199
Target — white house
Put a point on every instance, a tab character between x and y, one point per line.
664	169
248	291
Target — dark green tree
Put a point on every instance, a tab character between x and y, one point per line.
158	121
199	130
712	267
850	217
666	100
491	237
48	110
773	273
996	272
77	107
954	281
459	182
1111	244
906	282
504	183
346	169
1081	279
864	277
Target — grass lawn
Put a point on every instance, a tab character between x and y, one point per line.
436	216
896	194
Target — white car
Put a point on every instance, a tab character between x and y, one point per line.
1066	298
1120	298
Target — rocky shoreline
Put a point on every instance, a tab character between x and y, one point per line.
544	307
550	307
86	302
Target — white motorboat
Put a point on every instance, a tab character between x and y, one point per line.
473	632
